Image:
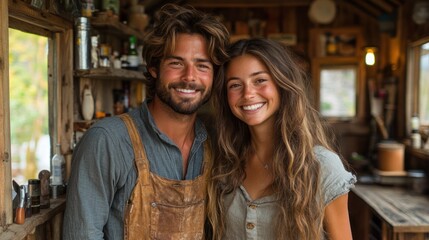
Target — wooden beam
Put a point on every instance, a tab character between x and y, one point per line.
397	2
5	162
23	12
247	3
383	5
357	10
366	7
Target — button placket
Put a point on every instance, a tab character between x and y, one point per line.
251	220
250	226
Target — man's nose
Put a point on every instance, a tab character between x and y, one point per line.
189	73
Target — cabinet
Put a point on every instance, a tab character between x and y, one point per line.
107	84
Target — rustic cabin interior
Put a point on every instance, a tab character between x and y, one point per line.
369	67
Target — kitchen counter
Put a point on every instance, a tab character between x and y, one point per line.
384	212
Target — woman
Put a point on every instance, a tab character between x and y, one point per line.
276	175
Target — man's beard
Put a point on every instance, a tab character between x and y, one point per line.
184	105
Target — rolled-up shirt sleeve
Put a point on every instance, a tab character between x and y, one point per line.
335	179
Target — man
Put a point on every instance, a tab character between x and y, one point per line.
142	175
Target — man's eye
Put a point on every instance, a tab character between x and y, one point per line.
173	62
204	67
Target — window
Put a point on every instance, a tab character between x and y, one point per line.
338	73
56	56
418	83
28	100
338	91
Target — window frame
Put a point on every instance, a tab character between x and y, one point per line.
412	88
339	67
319	63
319	60
20	15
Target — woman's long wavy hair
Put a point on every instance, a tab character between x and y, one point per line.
172	20
298	129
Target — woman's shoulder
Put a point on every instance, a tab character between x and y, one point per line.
327	158
335	179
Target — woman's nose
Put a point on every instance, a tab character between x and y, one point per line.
248	91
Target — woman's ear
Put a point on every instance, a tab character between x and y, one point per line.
153	72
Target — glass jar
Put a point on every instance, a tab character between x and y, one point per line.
417	181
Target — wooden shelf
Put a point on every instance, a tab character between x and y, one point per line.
336	60
17	231
110	73
111	25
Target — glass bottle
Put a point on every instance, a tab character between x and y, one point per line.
133	58
95	52
58	167
416	139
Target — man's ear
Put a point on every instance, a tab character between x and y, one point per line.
153	72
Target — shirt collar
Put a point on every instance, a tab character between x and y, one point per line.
200	129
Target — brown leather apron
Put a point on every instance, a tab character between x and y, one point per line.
161	208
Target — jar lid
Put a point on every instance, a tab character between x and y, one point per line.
33	181
416	173
82	21
390	145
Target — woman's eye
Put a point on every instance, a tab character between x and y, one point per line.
233	85
261	80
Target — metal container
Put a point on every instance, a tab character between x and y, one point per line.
417	181
82	46
391	156
34	191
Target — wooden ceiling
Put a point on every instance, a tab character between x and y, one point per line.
372	8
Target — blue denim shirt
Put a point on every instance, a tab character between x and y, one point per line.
103	174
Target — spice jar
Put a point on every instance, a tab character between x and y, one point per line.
34	191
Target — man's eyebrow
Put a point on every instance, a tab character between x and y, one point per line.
173	57
202	60
181	59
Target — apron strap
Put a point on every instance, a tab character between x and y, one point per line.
141	161
208	158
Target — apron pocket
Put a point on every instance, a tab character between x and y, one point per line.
177	222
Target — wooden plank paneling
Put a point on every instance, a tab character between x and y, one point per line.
22	11
65	80
5	163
